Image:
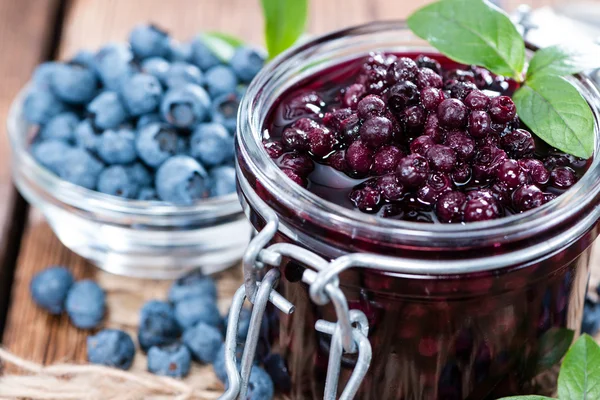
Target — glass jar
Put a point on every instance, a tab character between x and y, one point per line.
487	301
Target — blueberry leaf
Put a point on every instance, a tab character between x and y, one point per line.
553	346
284	23
579	376
472	32
557	113
222	45
556	60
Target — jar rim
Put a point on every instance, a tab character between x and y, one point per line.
253	109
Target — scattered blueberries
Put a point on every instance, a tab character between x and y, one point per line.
171	360
111	347
204	342
157	325
85	304
193	284
49	288
192	311
168	106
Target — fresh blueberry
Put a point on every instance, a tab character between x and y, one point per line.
246	62
149	41
116	181
107	110
193	284
139	174
147	194
41	105
156	142
181	73
157	67
193	310
203	341
49	288
42	75
80	168
211	144
260	385
181	180
111	347
74	83
591	318
225	109
220	80
172	360
222	181
117	146
141	94
277	369
147	119
85	304
202	56
243	323
114	65
50	153
60	127
86	58
180	51
186	105
219	363
157	325
86	136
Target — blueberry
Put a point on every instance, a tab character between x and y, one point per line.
225	109
149	41
141	94
107	111
117	146
243	323
41	105
222	181
193	284
591	318
203	341
80	168
147	194
172	360
260	385
202	56
155	143
86	58
49	288
157	325
246	62
148	119
42	75
181	180
181	73
191	311
139	174
86	136
117	182
50	153
111	347
220	80
74	83
85	304
60	127
277	369
186	105
180	51
211	144
157	67
219	363
114	65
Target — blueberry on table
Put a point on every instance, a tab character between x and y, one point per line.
260	385
61	127
157	325
49	288
80	168
156	142
211	144
182	180
246	62
50	153
202	56
225	109
181	72
74	83
85	304
172	360
220	80
114	65
117	146
185	105
41	105
111	347
107	110
141	94
148	40
222	181
190	312
86	136
192	284
116	181
156	66
203	341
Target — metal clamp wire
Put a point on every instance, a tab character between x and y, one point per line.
233	376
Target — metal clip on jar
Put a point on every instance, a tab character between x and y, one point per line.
450	311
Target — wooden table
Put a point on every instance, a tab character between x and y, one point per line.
32	31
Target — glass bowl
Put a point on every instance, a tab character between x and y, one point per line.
147	239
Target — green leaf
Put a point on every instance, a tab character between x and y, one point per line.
284	23
221	45
472	32
553	346
557	113
529	397
579	376
557	60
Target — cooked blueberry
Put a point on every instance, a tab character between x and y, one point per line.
157	325
224	111
80	168
74	83
476	100
192	310
114	65
353	94
203	341
202	56
479	124
487	160
481	209
426	77
40	106
452	113
359	158
141	94
562	177
171	360
155	143
246	62
412	170
401	95
437	184
431	98
211	144
117	146
403	69
222	181
370	106
192	284
385	160
111	347
441	158
49	288
450	205
502	109
85	304
414	118
220	80
511	174
527	197
157	67
149	41
107	110
185	105
518	143
116	181
535	170
181	73
181	180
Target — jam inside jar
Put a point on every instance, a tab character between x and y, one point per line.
481	332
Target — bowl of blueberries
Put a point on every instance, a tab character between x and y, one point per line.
129	152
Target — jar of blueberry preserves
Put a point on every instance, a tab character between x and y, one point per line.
386	179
